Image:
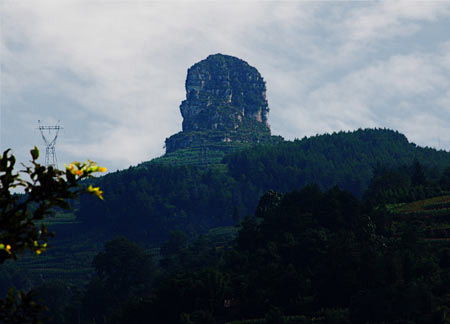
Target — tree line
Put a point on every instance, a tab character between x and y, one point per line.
307	256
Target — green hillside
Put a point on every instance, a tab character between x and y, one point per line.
174	192
306	256
177	192
180	192
214	243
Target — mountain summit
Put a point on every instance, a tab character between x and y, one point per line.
225	103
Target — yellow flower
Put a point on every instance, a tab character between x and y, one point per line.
7	248
96	191
38	252
71	168
76	168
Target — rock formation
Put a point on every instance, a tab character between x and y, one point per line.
225	102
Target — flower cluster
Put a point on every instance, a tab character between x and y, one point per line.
83	169
45	188
39	248
6	248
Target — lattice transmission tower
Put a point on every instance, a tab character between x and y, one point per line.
49	135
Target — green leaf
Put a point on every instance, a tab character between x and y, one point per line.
35	153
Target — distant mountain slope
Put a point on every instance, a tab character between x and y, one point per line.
345	159
148	201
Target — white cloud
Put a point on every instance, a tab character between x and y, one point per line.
392	18
126	61
400	93
116	70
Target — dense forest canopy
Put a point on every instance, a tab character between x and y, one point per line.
307	256
149	200
350	227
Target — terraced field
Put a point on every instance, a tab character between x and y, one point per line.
61	219
202	156
431	216
63	260
70	260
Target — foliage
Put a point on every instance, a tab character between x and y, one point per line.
20	310
274	316
345	159
46	189
164	198
123	271
308	256
172	193
405	183
55	295
318	254
21	227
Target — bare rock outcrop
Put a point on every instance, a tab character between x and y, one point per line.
225	102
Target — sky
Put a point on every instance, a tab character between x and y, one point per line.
112	73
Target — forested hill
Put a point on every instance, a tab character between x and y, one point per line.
148	201
345	159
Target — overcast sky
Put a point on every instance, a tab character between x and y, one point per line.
113	72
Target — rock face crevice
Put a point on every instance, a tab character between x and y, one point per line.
225	102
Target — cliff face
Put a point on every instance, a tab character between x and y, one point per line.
225	102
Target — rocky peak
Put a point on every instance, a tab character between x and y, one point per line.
225	100
223	81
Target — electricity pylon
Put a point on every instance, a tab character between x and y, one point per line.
50	142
